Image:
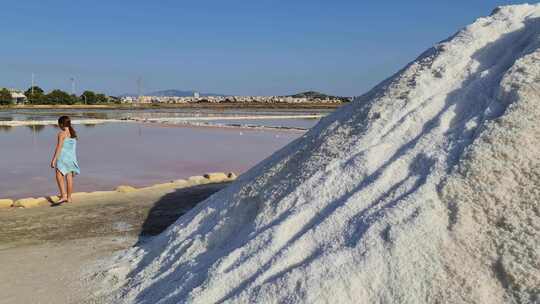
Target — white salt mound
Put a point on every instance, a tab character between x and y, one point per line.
425	189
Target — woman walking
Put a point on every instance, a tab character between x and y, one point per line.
65	159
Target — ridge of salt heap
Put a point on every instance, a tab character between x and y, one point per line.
425	189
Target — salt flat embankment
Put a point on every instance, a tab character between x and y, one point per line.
125	211
49	255
189	121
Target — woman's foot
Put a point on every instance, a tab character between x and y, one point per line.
62	200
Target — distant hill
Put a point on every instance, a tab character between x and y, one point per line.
180	93
318	95
175	93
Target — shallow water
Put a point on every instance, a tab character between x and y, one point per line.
257	117
129	153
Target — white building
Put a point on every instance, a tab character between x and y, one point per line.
17	96
229	99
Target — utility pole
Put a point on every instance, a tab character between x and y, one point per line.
72	79
32	87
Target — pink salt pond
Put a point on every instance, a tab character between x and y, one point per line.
130	153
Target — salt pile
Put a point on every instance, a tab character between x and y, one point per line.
425	189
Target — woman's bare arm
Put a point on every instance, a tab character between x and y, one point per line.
59	143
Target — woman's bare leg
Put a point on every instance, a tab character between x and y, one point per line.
69	178
61	185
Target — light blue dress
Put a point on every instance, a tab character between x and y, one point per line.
67	161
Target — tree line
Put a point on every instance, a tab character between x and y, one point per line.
5	97
36	95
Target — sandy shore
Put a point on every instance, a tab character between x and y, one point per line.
51	255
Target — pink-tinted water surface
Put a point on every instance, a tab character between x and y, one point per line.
128	153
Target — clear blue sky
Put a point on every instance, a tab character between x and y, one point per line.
251	47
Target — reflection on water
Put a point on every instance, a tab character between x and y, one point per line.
36	128
32	128
301	123
129	153
95	115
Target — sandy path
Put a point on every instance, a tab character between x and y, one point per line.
53	272
46	253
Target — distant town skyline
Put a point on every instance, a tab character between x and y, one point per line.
340	48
